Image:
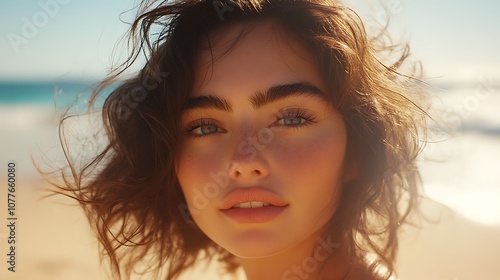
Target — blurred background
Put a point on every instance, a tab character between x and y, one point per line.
51	51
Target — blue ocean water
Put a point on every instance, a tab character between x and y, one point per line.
60	95
30	113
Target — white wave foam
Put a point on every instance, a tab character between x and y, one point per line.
26	117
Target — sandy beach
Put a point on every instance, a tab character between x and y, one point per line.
54	242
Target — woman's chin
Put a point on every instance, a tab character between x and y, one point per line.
254	254
254	251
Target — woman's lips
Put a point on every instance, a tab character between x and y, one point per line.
252	205
254	215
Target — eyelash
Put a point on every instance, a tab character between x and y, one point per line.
295	113
290	113
198	124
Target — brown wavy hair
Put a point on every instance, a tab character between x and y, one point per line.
130	192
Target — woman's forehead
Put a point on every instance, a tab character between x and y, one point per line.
260	54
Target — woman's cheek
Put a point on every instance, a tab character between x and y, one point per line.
311	151
198	159
312	169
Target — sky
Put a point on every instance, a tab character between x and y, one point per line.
456	40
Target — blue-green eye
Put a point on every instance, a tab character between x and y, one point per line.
207	129
202	127
291	121
294	117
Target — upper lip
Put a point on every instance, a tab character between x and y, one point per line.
242	195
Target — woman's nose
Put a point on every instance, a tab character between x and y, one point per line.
249	159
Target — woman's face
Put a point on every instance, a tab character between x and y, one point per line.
259	129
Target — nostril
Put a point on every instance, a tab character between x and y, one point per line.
246	170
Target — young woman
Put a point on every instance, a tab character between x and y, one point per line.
264	133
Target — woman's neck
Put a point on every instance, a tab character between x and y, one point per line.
314	258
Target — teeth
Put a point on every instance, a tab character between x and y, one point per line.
245	205
251	204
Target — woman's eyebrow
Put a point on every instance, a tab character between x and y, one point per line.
259	99
276	93
208	102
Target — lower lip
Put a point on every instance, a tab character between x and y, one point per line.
254	215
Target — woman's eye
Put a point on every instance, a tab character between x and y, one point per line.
291	121
203	128
294	118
